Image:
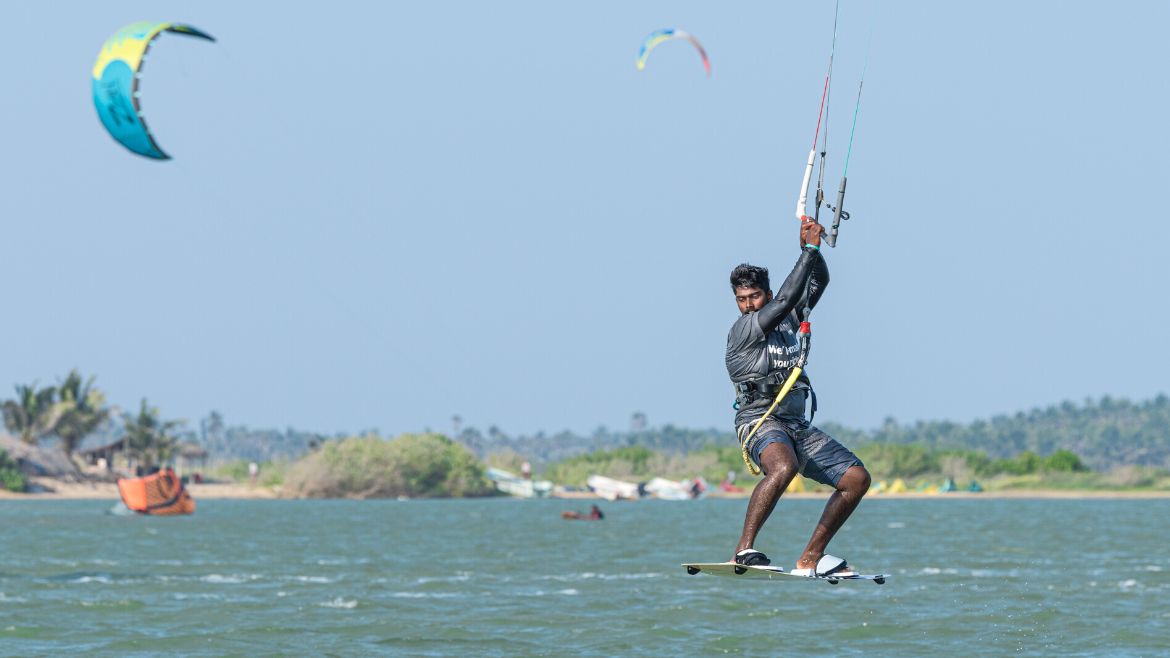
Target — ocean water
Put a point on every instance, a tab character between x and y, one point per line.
970	577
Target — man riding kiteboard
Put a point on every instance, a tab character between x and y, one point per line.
763	348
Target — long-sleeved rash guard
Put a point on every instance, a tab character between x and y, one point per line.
764	342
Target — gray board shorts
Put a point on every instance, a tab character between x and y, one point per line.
820	457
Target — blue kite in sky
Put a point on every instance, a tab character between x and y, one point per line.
115	83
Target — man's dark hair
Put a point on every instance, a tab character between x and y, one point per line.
749	276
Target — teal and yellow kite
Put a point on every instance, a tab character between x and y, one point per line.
115	83
658	36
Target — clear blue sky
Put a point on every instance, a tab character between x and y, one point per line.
383	214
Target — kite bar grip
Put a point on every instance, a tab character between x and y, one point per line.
802	202
838	214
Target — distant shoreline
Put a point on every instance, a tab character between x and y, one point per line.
63	490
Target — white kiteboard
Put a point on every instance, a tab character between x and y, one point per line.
770	572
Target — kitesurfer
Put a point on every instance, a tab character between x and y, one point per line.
762	349
594	514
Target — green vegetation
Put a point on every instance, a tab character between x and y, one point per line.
1105	433
34	413
920	464
10	476
917	465
69	412
1105	443
272	473
506	459
415	465
75	409
149	439
638	464
84	410
892	460
1128	479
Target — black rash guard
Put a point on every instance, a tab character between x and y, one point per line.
764	342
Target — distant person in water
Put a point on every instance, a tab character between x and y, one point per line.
698	486
762	349
593	515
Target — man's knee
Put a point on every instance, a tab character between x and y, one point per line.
781	471
856	480
778	462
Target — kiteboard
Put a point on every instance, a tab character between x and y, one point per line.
770	572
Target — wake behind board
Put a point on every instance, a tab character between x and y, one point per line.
770	573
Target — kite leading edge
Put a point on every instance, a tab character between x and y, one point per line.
115	83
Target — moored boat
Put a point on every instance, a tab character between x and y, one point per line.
517	486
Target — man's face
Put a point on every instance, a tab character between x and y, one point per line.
751	299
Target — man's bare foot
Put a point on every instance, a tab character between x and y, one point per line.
807	562
810	564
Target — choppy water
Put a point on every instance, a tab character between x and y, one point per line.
510	578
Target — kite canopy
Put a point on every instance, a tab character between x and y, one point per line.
160	494
115	83
658	36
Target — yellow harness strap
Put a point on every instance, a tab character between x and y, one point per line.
752	468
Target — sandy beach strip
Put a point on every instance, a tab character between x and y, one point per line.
51	489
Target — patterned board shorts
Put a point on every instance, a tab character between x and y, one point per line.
819	456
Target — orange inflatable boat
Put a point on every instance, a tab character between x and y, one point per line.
160	494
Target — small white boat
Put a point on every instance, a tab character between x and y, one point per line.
514	485
669	489
611	489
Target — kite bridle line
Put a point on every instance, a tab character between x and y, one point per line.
826	97
839	212
805	332
802	200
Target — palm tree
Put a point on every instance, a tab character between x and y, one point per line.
85	410
637	421
213	426
148	437
34	413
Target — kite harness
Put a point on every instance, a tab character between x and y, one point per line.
839	214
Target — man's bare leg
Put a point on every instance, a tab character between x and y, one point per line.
779	465
850	489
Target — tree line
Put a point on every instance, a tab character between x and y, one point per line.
414	465
1098	434
1102	434
75	408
